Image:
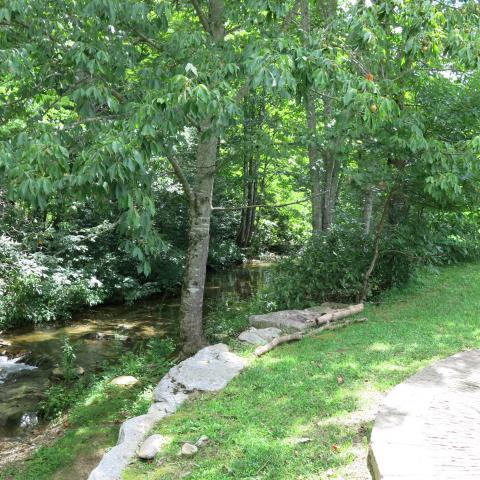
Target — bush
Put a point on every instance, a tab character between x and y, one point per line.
36	288
331	266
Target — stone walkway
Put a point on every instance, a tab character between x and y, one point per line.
428	428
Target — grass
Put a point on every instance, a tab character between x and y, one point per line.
324	388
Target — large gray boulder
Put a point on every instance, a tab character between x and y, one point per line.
208	371
259	336
293	320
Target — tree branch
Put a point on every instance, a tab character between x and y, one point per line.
180	174
201	16
277	205
290	16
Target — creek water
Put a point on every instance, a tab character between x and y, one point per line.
97	335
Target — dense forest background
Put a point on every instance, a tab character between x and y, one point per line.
138	136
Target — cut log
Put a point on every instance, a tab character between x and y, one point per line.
328	318
277	341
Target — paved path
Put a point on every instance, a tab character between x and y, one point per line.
429	426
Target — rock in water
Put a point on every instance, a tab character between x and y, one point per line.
28	420
124	381
189	450
151	446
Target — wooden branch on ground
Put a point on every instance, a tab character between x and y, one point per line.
259	351
337	314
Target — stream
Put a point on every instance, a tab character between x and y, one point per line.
98	335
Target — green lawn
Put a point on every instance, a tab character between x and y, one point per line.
255	424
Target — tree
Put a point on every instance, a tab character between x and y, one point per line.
98	91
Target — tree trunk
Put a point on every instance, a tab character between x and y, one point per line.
200	209
362	295
331	181
254	108
312	142
368	210
247	224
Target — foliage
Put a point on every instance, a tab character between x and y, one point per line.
36	288
68	358
102	118
331	266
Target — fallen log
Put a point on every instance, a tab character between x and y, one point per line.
328	321
277	341
335	326
336	315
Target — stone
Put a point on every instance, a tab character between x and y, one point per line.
124	381
202	441
161	408
151	446
132	432
58	372
209	370
29	420
291	320
189	450
427	427
260	336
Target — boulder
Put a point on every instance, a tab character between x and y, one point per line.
189	450
260	336
124	381
209	370
293	320
58	372
131	434
151	446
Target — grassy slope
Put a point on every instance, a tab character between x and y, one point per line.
294	391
